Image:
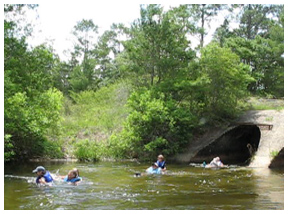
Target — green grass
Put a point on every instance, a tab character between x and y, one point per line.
92	117
258	103
269	119
274	153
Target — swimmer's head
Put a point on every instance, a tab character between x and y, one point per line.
40	171
72	174
155	165
160	157
76	171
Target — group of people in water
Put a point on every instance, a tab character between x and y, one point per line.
159	167
44	176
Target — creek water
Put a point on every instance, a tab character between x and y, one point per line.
112	186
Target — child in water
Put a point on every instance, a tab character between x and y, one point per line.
72	177
161	162
215	163
154	169
43	176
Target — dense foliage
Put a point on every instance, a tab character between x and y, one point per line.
156	124
32	105
139	90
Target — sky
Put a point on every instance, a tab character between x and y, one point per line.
55	22
56	19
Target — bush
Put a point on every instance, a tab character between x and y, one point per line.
8	148
228	80
119	148
28	120
157	124
86	150
52	149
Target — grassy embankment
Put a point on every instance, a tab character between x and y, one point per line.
90	118
260	103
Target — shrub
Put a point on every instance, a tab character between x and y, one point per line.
8	148
228	80
157	124
28	120
86	150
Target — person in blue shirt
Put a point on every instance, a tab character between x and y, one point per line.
72	177
154	169
161	162
43	176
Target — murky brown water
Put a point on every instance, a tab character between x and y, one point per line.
111	185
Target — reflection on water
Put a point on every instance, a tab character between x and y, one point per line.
111	185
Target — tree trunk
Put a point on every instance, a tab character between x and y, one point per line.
202	25
249	27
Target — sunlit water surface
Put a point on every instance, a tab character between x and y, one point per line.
112	185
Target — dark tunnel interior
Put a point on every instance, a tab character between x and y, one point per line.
234	147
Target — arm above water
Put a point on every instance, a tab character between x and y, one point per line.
40	181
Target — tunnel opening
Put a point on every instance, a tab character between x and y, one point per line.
234	147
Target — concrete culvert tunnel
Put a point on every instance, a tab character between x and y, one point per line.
234	147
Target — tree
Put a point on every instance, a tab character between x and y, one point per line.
61	76
106	50
156	124
158	49
32	107
259	43
85	32
201	15
263	52
274	81
222	33
255	19
227	81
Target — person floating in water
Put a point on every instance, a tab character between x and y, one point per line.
215	163
43	176
72	177
154	169
161	162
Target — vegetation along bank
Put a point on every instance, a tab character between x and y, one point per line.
140	90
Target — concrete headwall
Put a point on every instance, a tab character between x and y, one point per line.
271	140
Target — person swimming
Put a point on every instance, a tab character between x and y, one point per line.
154	169
161	162
43	176
215	163
72	177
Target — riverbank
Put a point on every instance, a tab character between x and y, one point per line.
71	160
91	141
